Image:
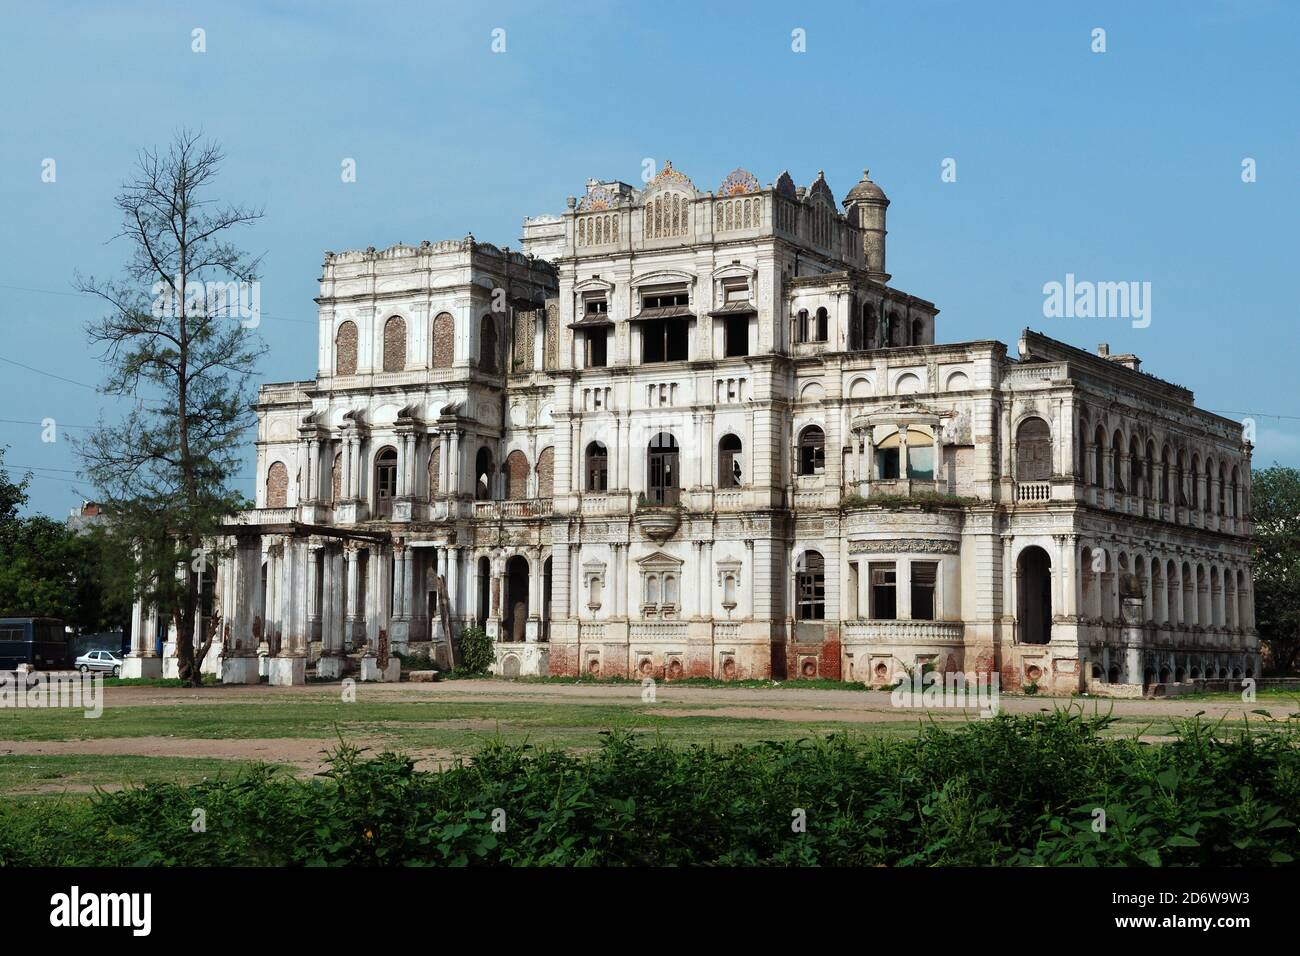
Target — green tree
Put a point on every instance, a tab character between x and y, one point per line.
174	340
46	570
1275	507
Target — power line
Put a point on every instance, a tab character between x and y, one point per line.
58	424
261	315
40	371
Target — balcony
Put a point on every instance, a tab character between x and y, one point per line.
1031	491
903	632
521	508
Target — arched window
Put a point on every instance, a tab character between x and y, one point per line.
1166	463
516	469
1134	466
345	350
1034	602
444	340
1083	471
487	355
394	344
1194	479
801	327
277	485
483	475
812	451
546	472
730	467
810	586
1117	462
662	479
823	325
597	467
1099	456
385	481
1033	450
869	326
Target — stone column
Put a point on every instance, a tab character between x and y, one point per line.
453	583
314	556
453	464
354	614
239	663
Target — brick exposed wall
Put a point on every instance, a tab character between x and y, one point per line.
277	485
345	350
546	473
516	475
444	340
394	344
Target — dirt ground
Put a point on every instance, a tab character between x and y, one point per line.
776	703
305	756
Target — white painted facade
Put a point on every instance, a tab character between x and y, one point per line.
633	486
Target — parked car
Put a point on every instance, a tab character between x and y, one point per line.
100	661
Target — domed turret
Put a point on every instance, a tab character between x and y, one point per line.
865	207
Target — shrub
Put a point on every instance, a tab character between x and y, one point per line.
477	652
1012	790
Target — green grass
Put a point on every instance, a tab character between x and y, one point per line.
54	773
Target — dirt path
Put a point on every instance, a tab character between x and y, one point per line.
776	703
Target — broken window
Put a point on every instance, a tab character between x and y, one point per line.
812	451
884	590
924	576
729	469
597	467
810	586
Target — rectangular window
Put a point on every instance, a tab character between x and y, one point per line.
737	336
597	343
812	595
887	464
665	340
666	300
884	591
924	575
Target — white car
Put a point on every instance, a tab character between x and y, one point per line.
99	661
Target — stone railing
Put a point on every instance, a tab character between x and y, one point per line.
903	632
598	503
267	516
513	508
1029	374
726	631
1033	491
657	631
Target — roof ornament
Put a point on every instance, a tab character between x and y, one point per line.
739	182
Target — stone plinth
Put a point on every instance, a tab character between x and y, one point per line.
142	667
287	671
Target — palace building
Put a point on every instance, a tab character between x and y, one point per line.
685	432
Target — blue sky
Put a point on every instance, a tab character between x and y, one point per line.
1116	166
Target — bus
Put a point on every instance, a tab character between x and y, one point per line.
41	642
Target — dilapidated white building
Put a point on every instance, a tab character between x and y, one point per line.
686	432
